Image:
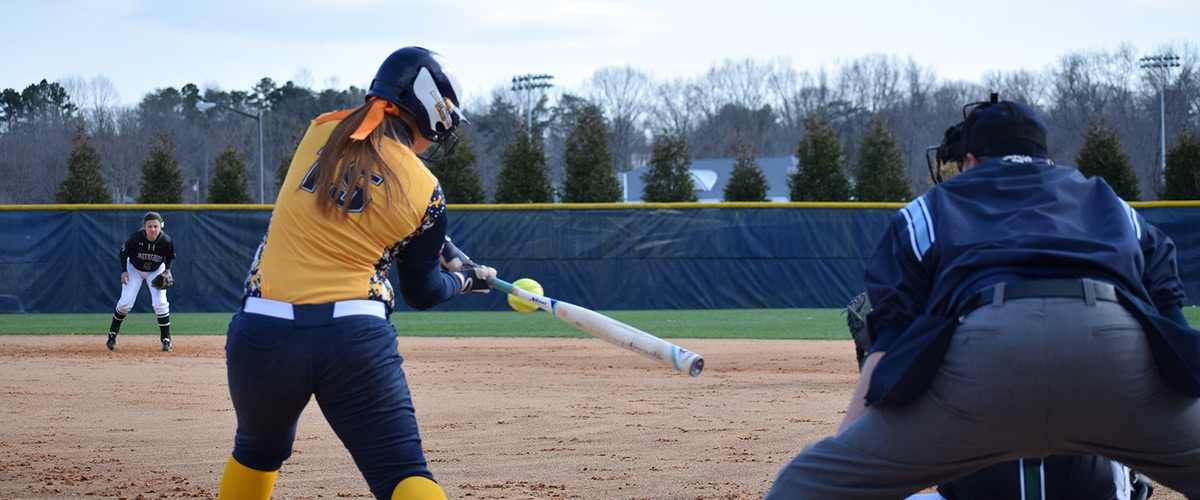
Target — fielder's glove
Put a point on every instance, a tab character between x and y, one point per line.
163	281
475	279
856	320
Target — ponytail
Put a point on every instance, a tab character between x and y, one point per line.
352	153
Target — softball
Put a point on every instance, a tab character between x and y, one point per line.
522	305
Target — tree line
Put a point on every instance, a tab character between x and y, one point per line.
858	132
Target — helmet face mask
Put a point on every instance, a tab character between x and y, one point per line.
422	83
950	153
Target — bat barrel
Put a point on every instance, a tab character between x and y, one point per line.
611	330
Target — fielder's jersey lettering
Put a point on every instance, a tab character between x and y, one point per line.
147	255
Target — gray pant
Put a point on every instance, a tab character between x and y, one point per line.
1026	378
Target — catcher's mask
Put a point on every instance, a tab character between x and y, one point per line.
422	83
989	128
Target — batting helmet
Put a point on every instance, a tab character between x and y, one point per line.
421	82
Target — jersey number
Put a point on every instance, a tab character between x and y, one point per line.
338	194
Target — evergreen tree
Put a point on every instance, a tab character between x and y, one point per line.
229	179
524	176
1182	177
746	181
161	180
1101	155
882	172
281	172
458	176
83	184
821	172
588	163
669	178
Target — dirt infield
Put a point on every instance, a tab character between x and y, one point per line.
500	419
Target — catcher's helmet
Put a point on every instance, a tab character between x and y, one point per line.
421	82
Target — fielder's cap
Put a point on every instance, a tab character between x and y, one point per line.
1004	128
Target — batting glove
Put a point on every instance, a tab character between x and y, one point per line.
454	259
475	279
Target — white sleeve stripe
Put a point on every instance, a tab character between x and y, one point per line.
928	219
1133	219
912	233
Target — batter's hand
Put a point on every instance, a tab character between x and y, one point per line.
475	279
454	259
124	278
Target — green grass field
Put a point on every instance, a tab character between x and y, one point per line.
700	324
723	323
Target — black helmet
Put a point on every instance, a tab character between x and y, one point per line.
421	82
990	128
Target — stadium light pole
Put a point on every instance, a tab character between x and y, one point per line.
203	106
1163	63
527	83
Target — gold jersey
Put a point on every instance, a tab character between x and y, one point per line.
312	257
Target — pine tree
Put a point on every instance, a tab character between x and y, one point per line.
229	184
1101	155
669	178
746	181
524	176
882	172
458	176
281	172
1182	176
821	172
84	183
161	180
588	163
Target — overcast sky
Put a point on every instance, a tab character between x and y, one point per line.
142	45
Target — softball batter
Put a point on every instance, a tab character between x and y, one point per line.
146	256
314	319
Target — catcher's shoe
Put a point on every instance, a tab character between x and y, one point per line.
112	341
166	344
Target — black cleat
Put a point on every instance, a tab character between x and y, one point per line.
166	345
112	341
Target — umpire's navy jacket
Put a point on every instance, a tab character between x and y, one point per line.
1014	219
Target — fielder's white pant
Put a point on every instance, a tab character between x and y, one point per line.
129	291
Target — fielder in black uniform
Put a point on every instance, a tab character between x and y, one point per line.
146	257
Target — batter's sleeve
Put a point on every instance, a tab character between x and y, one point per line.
423	284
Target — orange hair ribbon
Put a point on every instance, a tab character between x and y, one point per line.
378	108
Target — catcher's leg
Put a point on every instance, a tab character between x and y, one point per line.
243	483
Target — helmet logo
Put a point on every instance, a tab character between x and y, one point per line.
439	104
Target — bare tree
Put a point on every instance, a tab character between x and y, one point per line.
625	95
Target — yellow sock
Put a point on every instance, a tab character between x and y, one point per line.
243	483
418	488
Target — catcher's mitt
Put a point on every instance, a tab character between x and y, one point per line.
856	320
163	281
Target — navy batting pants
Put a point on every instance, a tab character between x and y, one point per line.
352	366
